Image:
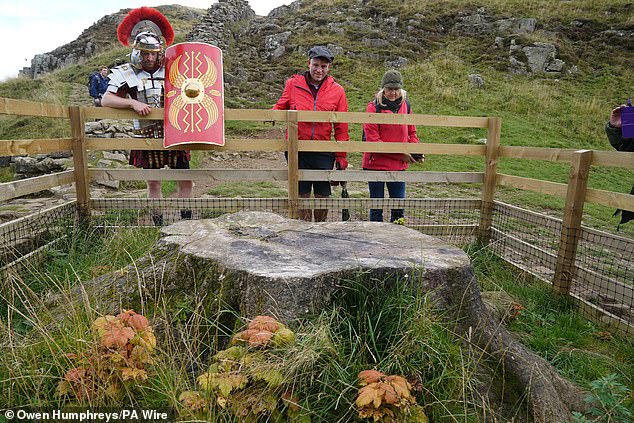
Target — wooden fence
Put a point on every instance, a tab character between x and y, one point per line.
575	191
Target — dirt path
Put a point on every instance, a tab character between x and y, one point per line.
242	160
79	96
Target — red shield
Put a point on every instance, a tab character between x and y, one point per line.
194	96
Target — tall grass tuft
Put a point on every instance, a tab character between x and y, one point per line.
386	326
48	311
381	324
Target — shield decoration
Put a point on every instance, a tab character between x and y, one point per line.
194	96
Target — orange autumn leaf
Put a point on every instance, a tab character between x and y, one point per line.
369	376
132	373
135	320
246	335
369	395
125	315
260	339
116	336
264	323
102	324
389	394
138	322
401	386
380	393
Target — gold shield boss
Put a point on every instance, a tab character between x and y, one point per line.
194	97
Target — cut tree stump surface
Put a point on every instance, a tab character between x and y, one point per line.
269	245
289	268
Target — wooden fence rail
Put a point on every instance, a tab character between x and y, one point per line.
575	191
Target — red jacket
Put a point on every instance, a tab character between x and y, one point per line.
387	133
331	98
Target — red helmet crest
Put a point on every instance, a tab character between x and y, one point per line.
144	19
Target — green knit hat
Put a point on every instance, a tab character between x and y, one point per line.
392	79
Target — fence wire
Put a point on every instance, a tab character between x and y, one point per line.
24	236
164	211
454	220
603	271
528	240
603	275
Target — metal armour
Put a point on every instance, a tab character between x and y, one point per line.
149	88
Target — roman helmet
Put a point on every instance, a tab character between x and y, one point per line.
148	30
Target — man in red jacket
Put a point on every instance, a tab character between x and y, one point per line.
316	90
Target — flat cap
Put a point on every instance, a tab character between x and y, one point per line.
321	52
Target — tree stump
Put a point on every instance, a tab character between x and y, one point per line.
262	263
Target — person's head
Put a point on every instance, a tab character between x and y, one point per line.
392	85
319	60
103	70
147	52
146	27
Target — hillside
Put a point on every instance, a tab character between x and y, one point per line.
551	70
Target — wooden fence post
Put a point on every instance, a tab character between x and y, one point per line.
293	164
488	187
82	184
571	223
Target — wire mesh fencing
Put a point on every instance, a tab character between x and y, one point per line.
602	272
528	240
27	235
604	276
164	211
454	220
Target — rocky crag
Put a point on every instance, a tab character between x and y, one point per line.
96	39
259	52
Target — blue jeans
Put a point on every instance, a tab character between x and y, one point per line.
377	190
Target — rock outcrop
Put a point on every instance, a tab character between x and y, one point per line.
77	51
220	26
42	164
259	49
97	38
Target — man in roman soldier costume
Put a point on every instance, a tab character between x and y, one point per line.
139	85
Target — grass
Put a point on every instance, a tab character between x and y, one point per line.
372	324
248	190
6	174
553	327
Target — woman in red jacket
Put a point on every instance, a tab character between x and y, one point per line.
391	99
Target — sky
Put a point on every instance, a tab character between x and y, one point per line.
30	27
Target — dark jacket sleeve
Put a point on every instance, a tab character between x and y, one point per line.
615	136
93	88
